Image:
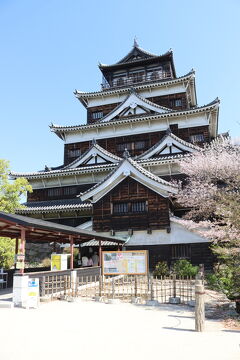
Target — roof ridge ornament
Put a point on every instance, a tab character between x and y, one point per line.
135	43
94	141
126	154
168	131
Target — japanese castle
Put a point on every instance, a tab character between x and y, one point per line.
115	178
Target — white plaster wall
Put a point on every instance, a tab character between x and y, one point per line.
178	235
125	129
146	93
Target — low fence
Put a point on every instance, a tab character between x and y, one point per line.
139	287
51	283
86	284
11	273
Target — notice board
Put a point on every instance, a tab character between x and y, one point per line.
132	262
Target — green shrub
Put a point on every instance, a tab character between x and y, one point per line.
161	269
226	279
46	262
185	268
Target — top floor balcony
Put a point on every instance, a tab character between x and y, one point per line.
136	78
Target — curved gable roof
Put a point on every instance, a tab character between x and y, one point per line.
128	167
132	101
94	152
168	141
137	55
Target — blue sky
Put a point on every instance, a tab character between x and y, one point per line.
49	48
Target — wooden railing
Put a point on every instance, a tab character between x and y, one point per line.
125	81
55	283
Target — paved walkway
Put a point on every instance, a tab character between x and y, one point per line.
92	330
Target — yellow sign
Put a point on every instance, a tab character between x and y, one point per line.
56	262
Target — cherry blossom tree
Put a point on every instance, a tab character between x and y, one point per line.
212	191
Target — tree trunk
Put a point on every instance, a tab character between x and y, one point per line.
238	306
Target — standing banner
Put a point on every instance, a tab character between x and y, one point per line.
59	262
131	262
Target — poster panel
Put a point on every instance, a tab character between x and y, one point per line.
132	262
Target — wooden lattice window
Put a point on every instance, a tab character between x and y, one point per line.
197	138
129	207
181	251
97	115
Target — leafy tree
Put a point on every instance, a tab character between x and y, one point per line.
10	194
213	193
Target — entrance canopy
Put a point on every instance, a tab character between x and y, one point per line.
35	230
38	230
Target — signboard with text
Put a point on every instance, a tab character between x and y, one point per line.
132	262
59	262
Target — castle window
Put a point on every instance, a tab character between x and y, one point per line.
178	102
123	146
134	145
69	190
129	207
138	206
97	115
54	192
197	138
181	251
120	208
74	153
120	82
140	145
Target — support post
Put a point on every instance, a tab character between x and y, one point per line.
135	286
199	305
151	289
174	286
100	253
16	252
22	248
71	251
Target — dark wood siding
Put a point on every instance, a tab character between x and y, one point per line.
200	254
150	139
168	101
156	216
46	194
105	109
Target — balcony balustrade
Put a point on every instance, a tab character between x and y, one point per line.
135	79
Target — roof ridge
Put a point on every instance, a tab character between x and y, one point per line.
66	171
137	167
173	136
172	112
141	50
132	92
94	145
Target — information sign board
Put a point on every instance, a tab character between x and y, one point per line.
133	262
33	293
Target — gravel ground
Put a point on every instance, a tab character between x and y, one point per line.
95	330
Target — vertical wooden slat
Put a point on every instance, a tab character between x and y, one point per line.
22	247
71	251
